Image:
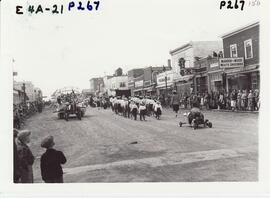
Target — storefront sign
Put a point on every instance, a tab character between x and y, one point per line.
131	84
163	79
139	83
214	64
231	62
165	76
147	83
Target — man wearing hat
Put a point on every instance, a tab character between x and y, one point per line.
25	156
50	162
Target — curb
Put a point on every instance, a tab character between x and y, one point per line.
222	110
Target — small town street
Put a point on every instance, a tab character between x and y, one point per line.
105	147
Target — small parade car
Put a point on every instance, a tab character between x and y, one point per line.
195	118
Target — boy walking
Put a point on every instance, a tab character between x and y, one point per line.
142	111
50	162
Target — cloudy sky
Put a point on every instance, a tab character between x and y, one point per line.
54	51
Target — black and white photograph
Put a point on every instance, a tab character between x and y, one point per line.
133	91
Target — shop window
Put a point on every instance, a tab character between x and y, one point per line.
233	50
248	49
122	84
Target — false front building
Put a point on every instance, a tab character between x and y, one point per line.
241	58
183	59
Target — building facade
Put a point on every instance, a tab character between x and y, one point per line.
209	77
96	85
115	83
133	76
29	89
165	82
242	43
18	96
183	62
146	82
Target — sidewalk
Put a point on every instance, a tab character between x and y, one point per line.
224	110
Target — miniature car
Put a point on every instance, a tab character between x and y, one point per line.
195	118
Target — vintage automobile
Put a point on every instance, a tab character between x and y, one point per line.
195	118
71	108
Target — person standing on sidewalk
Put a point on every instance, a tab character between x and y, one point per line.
16	162
250	99
244	100
50	162
175	102
26	158
233	100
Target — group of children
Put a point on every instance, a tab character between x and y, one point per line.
50	161
133	106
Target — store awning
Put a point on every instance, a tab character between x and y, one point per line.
140	89
149	89
242	70
184	78
164	86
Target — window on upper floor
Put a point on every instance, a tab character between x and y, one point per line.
248	49
233	50
122	84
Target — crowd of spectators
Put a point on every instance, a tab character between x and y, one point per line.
22	111
236	100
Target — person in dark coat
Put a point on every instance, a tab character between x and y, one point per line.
16	162
175	102
50	162
26	158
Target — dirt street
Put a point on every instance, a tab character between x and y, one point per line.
104	147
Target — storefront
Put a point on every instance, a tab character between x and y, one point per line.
200	79
241	60
201	84
165	83
246	78
215	81
185	84
138	88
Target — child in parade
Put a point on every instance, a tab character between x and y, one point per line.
134	110
158	110
142	111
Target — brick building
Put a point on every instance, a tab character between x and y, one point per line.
144	81
243	43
